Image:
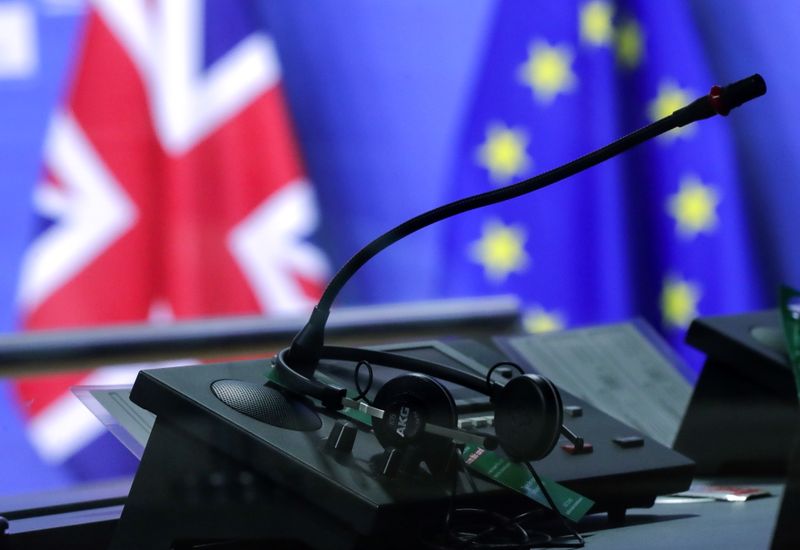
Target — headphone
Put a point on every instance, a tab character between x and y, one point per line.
416	410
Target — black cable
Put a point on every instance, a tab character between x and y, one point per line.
490	197
463	464
450	506
307	344
362	393
496	366
579	539
497	523
490	530
454	489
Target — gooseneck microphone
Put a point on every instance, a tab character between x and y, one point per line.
308	345
414	414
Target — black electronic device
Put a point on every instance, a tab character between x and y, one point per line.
519	402
743	413
211	472
271	433
516	404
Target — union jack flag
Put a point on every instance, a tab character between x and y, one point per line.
172	188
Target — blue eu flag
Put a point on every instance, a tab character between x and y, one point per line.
659	232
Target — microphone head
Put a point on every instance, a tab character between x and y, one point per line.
725	98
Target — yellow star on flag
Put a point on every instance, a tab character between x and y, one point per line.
671	97
538	320
679	299
500	250
548	71
694	207
595	22
503	153
629	43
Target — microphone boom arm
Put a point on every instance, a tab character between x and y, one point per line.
306	346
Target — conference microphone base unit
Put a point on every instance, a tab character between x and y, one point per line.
234	458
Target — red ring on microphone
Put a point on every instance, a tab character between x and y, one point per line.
715	98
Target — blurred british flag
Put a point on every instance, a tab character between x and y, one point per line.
172	188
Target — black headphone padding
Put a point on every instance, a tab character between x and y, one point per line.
527	417
409	403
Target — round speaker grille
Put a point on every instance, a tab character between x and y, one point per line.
267	405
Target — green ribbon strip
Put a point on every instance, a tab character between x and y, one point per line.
515	476
790	317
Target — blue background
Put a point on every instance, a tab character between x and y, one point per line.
378	92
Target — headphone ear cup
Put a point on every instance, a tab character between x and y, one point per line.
528	416
409	403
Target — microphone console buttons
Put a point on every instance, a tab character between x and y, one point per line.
629	441
571	449
342	436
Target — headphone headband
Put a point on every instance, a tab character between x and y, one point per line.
331	396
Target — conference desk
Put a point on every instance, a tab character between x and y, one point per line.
684	525
62	520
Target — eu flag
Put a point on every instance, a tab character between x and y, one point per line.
659	232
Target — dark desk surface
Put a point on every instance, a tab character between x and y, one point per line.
670	526
691	525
